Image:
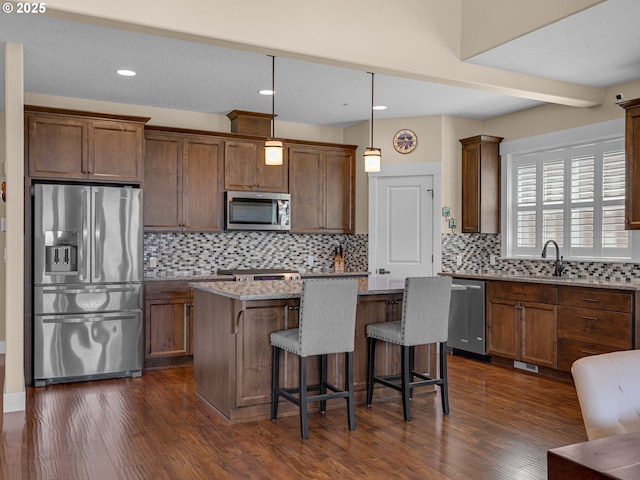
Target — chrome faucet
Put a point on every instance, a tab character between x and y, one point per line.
559	268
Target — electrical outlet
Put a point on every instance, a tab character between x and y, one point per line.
153	262
459	260
310	260
492	259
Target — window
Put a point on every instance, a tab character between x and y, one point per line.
571	193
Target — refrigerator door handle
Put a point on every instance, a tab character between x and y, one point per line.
85	319
96	257
89	290
83	244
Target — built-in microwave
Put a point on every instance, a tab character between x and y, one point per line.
257	211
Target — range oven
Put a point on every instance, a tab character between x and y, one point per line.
248	275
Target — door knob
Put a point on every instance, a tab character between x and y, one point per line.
382	271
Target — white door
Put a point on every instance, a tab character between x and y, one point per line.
402	230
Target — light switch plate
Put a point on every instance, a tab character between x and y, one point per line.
3	224
492	259
153	262
459	260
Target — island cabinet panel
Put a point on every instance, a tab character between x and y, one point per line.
253	351
592	321
521	322
245	169
73	145
168	324
183	177
322	187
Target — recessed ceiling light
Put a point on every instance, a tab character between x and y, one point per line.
266	92
380	107
126	73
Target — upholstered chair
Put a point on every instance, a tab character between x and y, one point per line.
425	320
326	326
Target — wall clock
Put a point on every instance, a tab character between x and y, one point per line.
405	141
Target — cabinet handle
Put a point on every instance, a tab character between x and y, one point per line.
590	318
594	300
588	352
184	325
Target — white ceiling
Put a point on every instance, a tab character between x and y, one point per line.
598	47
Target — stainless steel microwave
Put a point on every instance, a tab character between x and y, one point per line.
257	211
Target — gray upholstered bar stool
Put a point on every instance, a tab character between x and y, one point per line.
326	325
425	320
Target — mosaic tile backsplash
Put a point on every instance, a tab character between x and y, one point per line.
187	254
476	251
202	253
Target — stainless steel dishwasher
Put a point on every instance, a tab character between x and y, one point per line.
467	320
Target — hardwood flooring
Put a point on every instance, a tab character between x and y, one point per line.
502	423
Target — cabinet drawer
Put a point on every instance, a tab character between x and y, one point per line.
600	326
595	298
528	292
167	290
571	350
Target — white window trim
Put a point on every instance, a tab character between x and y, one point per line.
563	138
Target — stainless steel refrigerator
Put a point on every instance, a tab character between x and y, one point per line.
87	292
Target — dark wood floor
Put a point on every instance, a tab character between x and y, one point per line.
502	423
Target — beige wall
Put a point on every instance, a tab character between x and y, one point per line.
14	154
3	236
183	119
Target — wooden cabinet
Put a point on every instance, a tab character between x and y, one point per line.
71	145
632	164
183	181
521	322
245	170
481	184
592	321
322	187
168	324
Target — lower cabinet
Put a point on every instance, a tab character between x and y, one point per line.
592	321
521	322
555	325
168	324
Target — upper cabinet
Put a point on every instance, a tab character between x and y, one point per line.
73	145
632	166
322	187
183	177
245	169
481	184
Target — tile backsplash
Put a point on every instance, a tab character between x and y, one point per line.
187	254
201	253
476	251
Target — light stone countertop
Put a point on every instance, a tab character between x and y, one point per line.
624	284
211	277
283	289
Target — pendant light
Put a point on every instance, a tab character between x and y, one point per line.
273	149
372	155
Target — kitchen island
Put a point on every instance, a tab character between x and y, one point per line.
232	351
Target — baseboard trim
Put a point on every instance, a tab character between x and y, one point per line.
15	402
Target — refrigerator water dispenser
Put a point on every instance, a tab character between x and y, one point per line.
61	252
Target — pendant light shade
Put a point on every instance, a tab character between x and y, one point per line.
273	149
372	158
372	155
